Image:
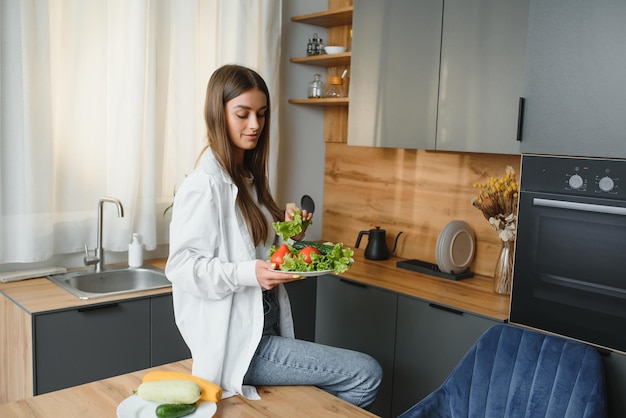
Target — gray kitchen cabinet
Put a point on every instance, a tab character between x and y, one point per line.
430	341
395	73
167	345
93	342
303	298
355	316
483	49
81	345
575	81
429	75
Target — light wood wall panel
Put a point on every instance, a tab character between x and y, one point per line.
16	366
414	191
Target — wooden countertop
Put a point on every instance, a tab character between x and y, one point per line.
473	295
100	400
42	295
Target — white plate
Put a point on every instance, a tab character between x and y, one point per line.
307	273
455	247
135	407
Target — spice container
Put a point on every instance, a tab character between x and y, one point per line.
313	47
319	48
310	47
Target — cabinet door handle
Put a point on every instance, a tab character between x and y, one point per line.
520	118
445	308
351	283
98	307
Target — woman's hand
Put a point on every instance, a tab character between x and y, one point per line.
269	278
306	216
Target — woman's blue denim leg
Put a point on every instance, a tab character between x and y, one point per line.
350	375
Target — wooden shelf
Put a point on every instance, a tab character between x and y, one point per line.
331	101
325	60
336	17
338	20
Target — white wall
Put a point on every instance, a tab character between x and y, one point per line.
302	147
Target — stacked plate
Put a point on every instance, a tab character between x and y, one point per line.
455	247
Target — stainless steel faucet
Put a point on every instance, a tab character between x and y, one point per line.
98	259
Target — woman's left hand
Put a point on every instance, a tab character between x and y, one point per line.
268	277
306	216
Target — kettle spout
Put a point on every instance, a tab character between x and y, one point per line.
396	242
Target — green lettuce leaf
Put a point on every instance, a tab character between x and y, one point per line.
339	260
288	229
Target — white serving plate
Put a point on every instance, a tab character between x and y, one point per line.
455	247
135	407
307	273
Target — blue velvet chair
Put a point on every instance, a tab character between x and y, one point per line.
515	372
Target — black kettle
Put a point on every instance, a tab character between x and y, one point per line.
377	244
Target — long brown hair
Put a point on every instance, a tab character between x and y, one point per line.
226	83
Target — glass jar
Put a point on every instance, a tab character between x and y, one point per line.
314	45
316	88
319	48
310	47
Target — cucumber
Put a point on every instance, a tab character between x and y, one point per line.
322	248
175	410
170	391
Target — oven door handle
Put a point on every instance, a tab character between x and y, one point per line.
586	207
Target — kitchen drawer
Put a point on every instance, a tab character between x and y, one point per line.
81	345
359	317
430	341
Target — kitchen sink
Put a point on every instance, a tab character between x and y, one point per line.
112	281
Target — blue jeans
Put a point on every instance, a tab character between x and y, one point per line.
350	375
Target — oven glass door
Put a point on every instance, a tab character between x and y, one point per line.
570	268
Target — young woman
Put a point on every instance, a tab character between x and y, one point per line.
229	303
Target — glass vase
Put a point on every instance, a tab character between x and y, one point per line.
503	276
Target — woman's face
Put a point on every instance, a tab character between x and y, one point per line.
245	119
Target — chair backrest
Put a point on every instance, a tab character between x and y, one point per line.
516	372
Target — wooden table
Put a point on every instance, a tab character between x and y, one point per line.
100	400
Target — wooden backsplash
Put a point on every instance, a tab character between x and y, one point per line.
414	191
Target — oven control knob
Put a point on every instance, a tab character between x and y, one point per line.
575	181
606	184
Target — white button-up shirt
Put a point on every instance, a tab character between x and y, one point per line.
217	298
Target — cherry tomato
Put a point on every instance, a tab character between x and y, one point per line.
278	257
306	252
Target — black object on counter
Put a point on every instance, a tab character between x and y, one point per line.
432	269
376	248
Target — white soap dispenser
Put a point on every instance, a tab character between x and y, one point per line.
135	251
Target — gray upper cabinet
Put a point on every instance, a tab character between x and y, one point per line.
437	77
575	84
395	73
483	49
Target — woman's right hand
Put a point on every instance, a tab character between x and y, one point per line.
269	278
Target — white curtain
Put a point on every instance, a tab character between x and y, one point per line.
105	98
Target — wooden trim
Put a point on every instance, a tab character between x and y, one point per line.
333	101
328	18
334	60
16	363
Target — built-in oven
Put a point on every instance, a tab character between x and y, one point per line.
570	256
